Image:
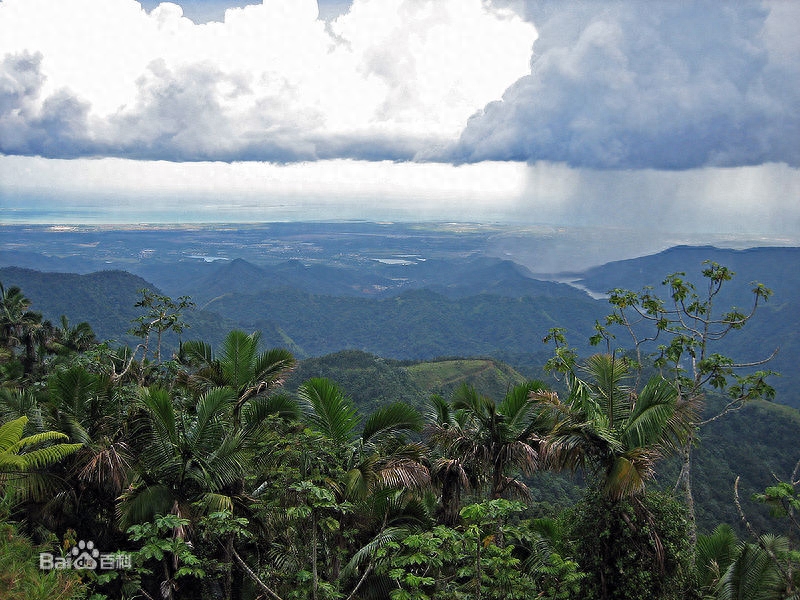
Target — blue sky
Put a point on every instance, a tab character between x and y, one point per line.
666	116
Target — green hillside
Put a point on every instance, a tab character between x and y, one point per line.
442	377
372	381
755	443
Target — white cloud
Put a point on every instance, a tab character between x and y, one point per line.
650	85
273	81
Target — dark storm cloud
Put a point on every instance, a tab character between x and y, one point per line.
668	85
57	127
621	85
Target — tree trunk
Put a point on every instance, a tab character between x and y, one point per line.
684	487
315	581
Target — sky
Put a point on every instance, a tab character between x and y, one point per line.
655	115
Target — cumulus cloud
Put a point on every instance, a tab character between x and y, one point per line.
56	124
649	85
271	82
620	85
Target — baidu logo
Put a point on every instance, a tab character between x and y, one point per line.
85	557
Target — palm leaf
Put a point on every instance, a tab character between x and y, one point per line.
238	357
392	419
159	405
715	553
517	404
367	552
327	409
652	414
438	411
361	480
609	396
16	403
467	399
212	502
753	575
142	503
196	352
262	407
273	365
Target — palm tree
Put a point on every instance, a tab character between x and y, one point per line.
754	573
607	427
376	464
239	365
380	457
492	442
92	409
448	472
184	456
617	435
78	338
18	325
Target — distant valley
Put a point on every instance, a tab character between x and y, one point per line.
401	292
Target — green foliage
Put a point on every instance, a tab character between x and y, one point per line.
162	314
20	576
459	562
164	559
714	555
612	429
631	549
230	490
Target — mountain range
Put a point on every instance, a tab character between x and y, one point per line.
453	303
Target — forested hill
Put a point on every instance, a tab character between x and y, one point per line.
232	466
414	309
751	444
419	323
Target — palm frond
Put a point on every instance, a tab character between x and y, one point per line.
237	358
272	366
211	502
443	469
262	407
159	405
196	352
141	503
753	575
610	396
404	473
714	554
626	477
327	409
517	404
393	418
108	465
15	403
211	408
652	413
519	454
474	405
438	411
367	552
361	480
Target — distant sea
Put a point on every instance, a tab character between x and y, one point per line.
545	249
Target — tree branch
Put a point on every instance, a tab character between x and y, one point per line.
251	574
